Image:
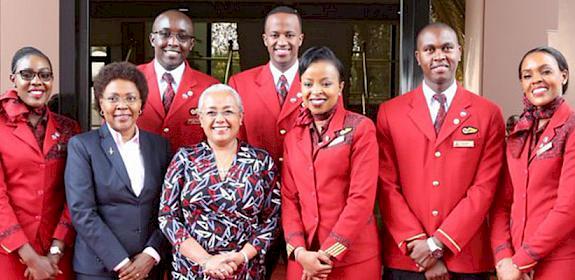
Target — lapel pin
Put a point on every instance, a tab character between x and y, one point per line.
190	93
545	139
456	121
56	135
463	114
111	151
298	95
345	131
469	130
185	95
293	100
194	111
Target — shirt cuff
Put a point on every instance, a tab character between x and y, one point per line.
121	264
152	253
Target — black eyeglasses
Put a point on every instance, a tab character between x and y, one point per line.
28	75
181	37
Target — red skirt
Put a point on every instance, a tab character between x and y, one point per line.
370	269
12	269
554	269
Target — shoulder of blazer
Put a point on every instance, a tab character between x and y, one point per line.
249	74
200	77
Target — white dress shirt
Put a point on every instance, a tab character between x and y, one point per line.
134	163
433	104
176	73
290	75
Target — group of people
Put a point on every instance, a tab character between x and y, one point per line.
196	173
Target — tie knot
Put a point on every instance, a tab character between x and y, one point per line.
283	79
168	78
440	97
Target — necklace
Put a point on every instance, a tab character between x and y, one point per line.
224	161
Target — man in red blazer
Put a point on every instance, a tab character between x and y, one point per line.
441	152
175	87
271	92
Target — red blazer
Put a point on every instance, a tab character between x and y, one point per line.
181	125
265	123
539	199
328	197
429	187
32	198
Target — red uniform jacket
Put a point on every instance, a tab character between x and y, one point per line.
32	198
439	185
328	197
265	122
181	125
534	217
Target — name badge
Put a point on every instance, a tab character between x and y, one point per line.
336	141
463	143
193	120
545	148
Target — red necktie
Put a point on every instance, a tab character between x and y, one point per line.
440	97
282	93
169	92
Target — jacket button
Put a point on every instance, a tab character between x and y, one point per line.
281	159
434	213
40	192
282	131
37	217
437	154
166	129
435	183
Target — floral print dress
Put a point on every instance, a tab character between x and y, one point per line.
221	215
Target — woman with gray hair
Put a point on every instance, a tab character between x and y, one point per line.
221	199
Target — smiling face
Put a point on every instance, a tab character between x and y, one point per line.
438	54
541	78
321	87
36	92
282	38
171	52
220	118
121	105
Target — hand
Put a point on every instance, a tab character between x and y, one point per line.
138	268
507	271
220	266
40	268
421	254
316	265
237	258
437	272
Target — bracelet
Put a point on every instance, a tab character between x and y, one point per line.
246	260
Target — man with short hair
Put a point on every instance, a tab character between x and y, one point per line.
271	92
174	86
441	152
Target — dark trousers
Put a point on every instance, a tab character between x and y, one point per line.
396	274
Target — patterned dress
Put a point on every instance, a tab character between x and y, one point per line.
221	215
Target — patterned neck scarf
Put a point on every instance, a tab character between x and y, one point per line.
528	123
17	111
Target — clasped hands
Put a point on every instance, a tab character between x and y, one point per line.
224	265
316	264
420	253
507	271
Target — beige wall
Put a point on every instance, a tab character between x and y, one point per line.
28	23
562	39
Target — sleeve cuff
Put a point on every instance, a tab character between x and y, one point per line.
152	253
294	240
403	244
121	264
14	241
502	251
523	261
65	232
335	245
448	241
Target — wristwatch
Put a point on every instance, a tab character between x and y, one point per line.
436	251
55	250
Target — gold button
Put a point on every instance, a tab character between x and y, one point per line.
282	131
166	129
281	159
456	121
435	183
434	213
437	154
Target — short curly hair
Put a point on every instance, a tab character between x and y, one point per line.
120	71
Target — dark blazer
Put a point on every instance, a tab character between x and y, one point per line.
112	222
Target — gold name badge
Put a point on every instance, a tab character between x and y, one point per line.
463	143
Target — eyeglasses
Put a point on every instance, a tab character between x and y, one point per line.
127	100
181	37
226	114
28	75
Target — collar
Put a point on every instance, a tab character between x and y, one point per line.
14	109
290	73
176	73
117	136
449	94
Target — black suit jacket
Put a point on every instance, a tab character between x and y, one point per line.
112	222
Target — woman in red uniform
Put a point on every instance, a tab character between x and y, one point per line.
329	180
35	225
534	218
